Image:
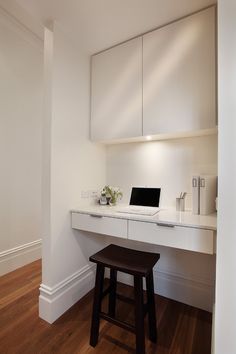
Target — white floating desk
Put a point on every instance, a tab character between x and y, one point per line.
169	228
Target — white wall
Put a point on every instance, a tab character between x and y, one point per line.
168	164
16	11
184	276
225	307
71	164
21	84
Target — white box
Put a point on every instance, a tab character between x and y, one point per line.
208	191
196	194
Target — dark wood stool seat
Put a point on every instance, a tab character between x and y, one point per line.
126	260
139	264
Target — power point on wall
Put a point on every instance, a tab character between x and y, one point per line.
85	194
94	194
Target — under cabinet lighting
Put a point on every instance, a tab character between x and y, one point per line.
148	137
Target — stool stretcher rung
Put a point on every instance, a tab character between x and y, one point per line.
106	291
116	322
125	299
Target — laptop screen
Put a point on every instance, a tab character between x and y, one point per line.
145	196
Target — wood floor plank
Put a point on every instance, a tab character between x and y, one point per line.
182	329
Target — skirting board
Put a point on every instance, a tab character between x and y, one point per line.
54	301
19	256
195	292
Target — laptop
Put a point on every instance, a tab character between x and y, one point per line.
143	201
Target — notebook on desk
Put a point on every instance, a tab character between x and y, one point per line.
143	201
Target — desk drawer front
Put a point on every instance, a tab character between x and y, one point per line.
187	238
100	224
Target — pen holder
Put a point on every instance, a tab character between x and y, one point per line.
180	204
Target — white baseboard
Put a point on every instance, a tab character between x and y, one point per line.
196	292
19	256
190	291
54	301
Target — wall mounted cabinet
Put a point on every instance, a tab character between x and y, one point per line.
161	84
179	76
116	102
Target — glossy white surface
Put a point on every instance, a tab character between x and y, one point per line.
181	237
102	225
179	76
116	92
160	137
164	216
133	83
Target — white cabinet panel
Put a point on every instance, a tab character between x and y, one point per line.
116	93
100	224
179	84
191	239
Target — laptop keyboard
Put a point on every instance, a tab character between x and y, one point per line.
139	210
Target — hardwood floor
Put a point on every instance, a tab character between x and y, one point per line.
182	329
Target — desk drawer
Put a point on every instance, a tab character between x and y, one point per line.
100	224
187	238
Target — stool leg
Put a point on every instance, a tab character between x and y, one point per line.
139	315
151	308
97	301
112	295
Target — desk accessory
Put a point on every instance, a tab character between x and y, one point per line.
196	194
180	202
204	188
112	195
208	190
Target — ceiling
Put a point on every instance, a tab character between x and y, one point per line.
98	24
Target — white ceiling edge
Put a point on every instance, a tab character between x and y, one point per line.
19	14
95	25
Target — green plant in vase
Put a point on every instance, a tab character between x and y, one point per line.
113	194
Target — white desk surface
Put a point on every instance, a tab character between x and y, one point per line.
170	216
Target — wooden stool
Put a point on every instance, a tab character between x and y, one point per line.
139	264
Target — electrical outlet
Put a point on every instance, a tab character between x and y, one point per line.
94	194
85	194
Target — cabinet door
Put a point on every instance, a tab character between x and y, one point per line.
179	85
116	102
